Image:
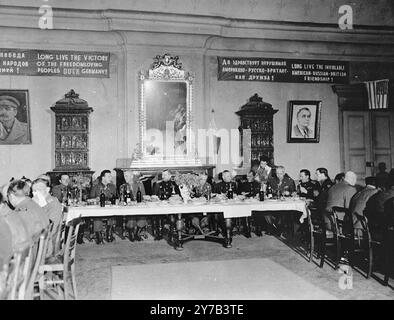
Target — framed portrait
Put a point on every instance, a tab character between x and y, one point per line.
14	117
303	124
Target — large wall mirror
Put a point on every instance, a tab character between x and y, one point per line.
165	112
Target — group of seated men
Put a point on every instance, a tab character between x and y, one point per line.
324	194
26	209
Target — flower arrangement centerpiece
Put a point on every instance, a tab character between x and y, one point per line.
186	182
80	185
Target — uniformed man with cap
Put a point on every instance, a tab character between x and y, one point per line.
12	131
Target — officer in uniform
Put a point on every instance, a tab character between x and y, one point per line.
12	131
132	184
60	190
105	186
224	186
164	189
307	188
251	187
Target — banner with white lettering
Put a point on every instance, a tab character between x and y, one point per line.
282	70
54	63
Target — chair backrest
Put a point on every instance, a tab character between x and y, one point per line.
69	251
37	251
17	268
61	234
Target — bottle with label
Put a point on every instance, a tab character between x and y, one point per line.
269	191
128	196
102	198
230	193
261	193
173	191
162	197
139	195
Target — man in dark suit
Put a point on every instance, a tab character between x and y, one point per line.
166	187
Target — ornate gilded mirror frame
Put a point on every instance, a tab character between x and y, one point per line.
165	68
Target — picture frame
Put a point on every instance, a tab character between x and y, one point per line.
15	125
303	124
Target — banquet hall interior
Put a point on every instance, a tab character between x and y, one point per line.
196	149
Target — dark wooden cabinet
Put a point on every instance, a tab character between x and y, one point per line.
257	116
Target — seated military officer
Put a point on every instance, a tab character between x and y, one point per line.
203	189
164	189
307	187
251	187
225	185
60	190
105	186
132	185
34	215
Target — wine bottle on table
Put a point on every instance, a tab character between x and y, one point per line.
139	195
128	196
269	191
102	199
261	193
230	193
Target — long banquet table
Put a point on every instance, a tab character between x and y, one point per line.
230	210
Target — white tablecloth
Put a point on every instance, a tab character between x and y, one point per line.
231	210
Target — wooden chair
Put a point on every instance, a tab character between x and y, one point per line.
60	236
14	274
30	273
57	273
326	238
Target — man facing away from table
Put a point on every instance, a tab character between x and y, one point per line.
106	186
134	224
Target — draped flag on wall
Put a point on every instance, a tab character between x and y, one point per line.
377	94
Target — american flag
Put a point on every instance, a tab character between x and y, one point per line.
377	94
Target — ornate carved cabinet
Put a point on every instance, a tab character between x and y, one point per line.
257	116
71	136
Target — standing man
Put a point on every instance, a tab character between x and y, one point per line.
105	186
134	225
12	131
60	190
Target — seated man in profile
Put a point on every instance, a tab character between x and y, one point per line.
35	217
51	205
60	190
132	185
104	185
